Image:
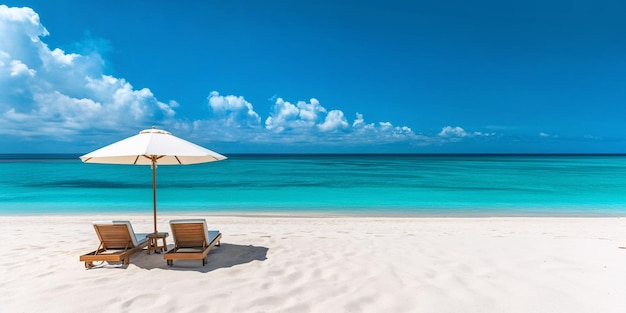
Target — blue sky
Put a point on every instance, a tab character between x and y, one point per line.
316	76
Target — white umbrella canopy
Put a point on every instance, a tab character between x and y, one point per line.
141	148
152	147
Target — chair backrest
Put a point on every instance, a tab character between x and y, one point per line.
115	234
189	233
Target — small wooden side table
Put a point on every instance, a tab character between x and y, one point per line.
153	242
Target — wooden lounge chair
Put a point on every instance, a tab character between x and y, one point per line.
117	242
192	240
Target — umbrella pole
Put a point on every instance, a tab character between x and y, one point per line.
154	190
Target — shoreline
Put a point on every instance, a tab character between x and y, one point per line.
333	214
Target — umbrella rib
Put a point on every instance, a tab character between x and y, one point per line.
149	157
136	159
179	162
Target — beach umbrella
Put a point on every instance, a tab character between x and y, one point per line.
152	147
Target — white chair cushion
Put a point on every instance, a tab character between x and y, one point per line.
208	235
137	239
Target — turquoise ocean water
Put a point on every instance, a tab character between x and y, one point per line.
380	185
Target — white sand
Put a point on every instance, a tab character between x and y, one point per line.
346	264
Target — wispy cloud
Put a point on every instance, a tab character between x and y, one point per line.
546	135
449	133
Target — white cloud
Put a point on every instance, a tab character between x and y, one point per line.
311	111
359	121
287	116
65	59
334	121
385	125
299	123
24	19
236	110
458	132
476	133
450	131
546	135
56	94
18	68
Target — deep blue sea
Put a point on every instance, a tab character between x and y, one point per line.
379	185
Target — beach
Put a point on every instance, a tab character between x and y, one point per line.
323	263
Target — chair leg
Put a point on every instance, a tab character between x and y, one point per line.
88	264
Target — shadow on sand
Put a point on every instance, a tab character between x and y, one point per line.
225	256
